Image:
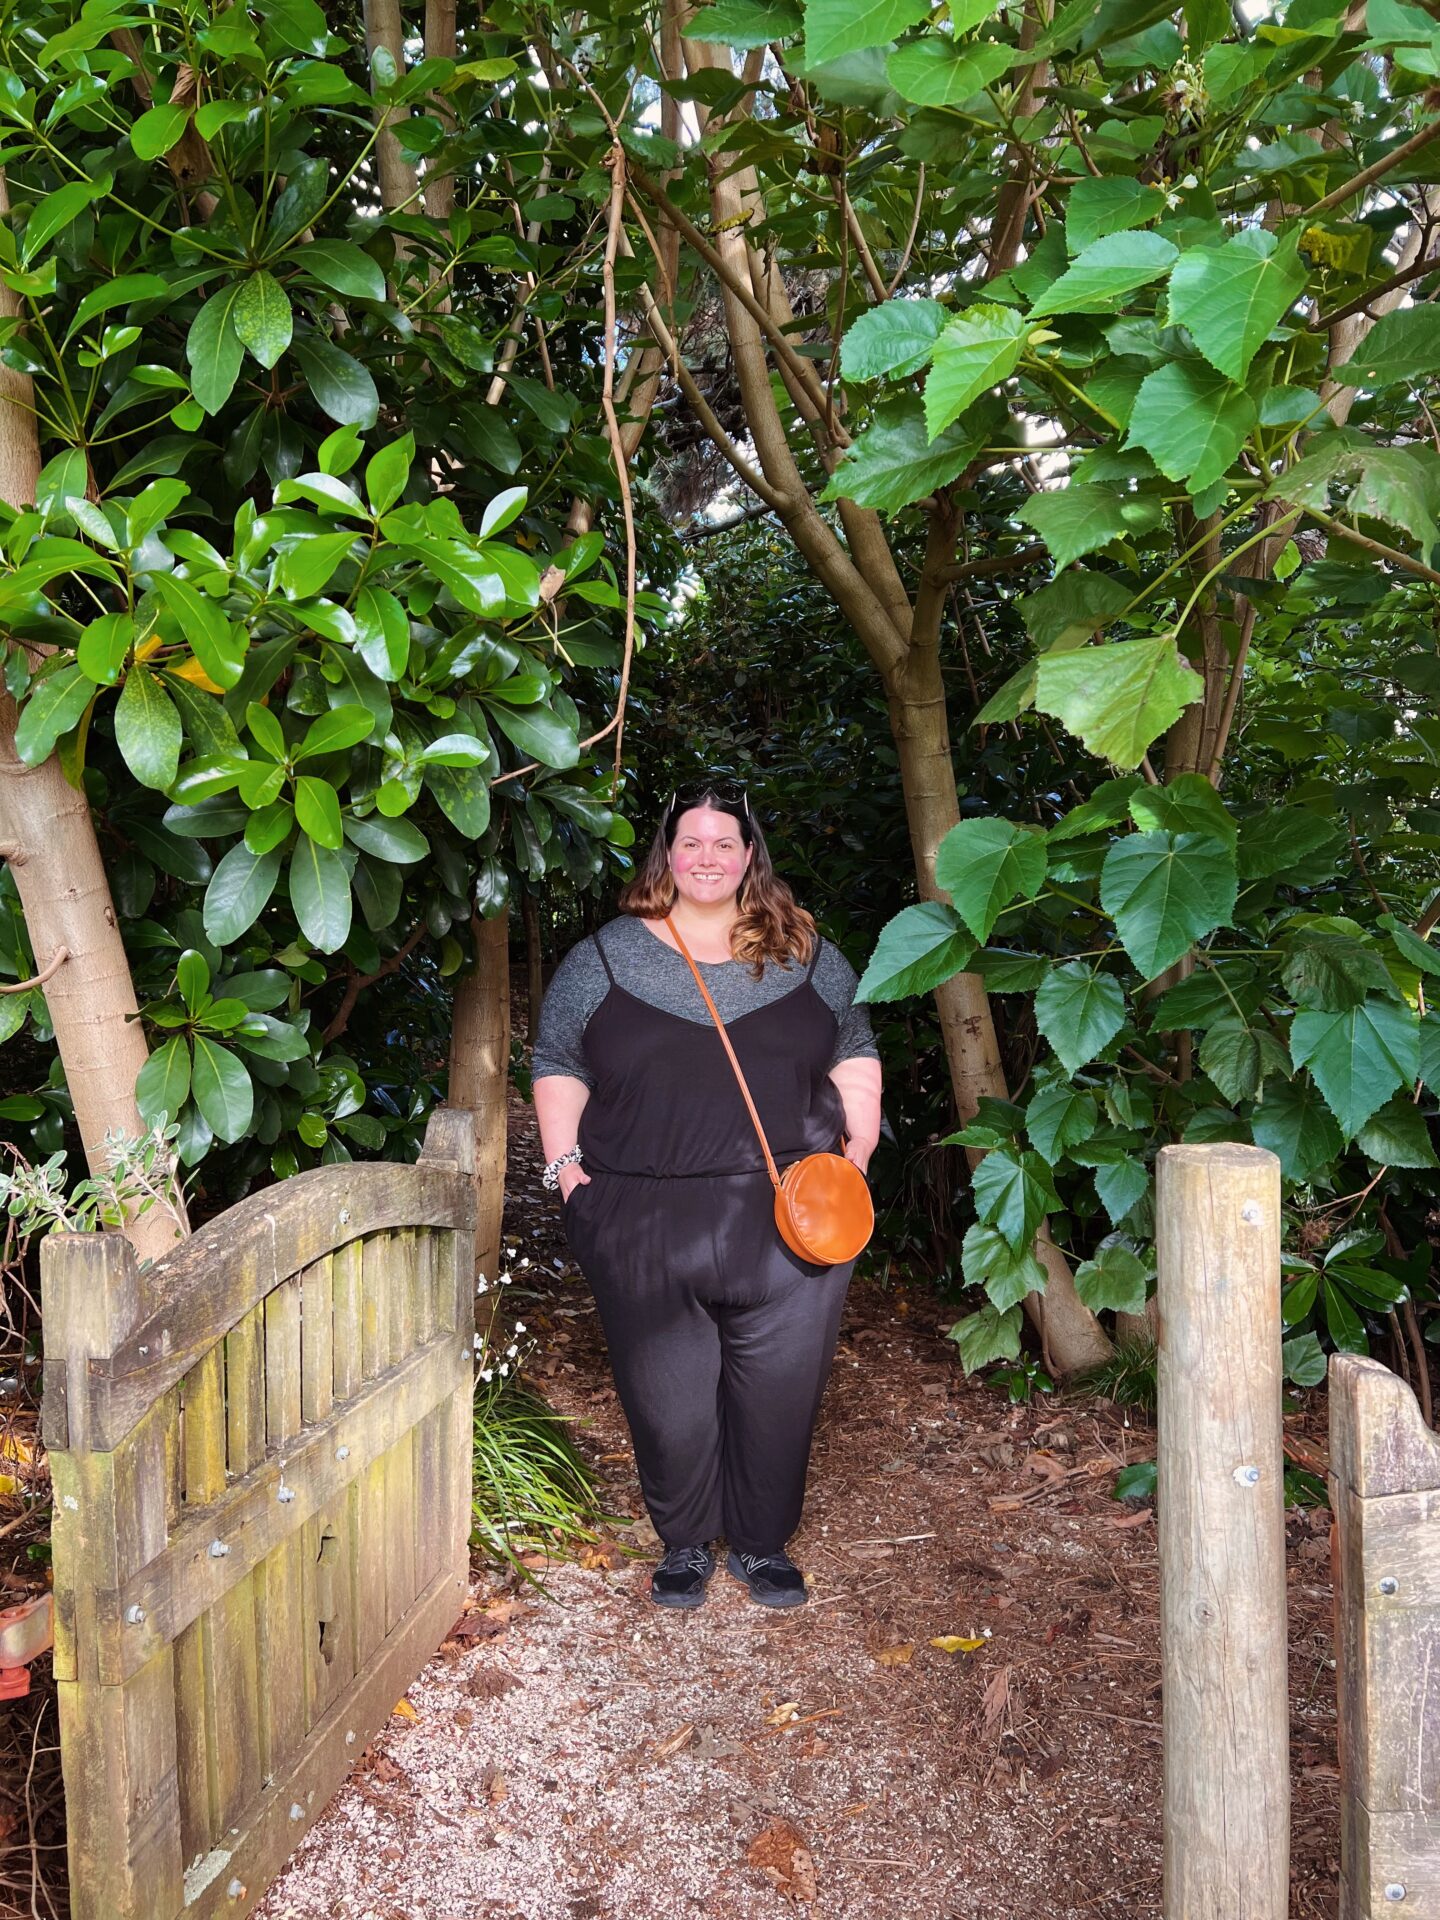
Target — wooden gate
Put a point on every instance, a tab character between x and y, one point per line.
1385	1492
261	1458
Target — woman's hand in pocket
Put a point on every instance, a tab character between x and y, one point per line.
572	1177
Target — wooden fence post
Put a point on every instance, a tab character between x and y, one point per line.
1221	1515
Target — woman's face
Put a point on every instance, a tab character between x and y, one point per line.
708	856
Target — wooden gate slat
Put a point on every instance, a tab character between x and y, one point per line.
245	1392
401	1584
282	1363
317	1341
375	1306
346	1273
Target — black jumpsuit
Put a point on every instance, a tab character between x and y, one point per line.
720	1337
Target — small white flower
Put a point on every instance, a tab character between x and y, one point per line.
512	1350
487	1373
526	1261
479	1343
519	1326
506	1278
1189	182
484	1287
503	1367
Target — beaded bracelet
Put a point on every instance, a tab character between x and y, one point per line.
551	1176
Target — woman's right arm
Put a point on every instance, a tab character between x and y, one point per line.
559	1102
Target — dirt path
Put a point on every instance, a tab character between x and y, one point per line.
591	1754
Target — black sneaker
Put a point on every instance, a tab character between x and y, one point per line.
681	1577
774	1579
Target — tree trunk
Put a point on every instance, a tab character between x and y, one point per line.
480	1076
48	837
1073	1337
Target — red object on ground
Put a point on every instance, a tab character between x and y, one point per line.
26	1632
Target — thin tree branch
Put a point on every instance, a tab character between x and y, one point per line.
909	247
61	955
357	982
1369	175
1381	552
1363	301
993	563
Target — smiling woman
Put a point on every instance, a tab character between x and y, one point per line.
721	1336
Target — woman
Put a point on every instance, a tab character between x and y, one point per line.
721	1338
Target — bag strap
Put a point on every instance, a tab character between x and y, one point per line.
744	1088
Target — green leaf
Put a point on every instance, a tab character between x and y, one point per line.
1115	1280
1164	892
1357	1058
1191	421
896	337
894	461
341	266
984	864
1081	518
985	1336
156	132
163	1083
538	731
1328	972
1186	804
387	473
219	647
55	705
399	841
341	386
304	569
463	796
1069	610
1397	1136
917	949
1107	270
1106	807
192	975
382	632
1119	697
1079	1011
317	809
1420	954
1343	1324
55	212
213	349
1109	205
239	891
1232	297
1281	838
320	895
1014	1191
836	27
1122	1184
148	733
1005	972
336	730
1136	1482
936	72
990	1262
975	351
262	317
1060	1116
1303	1361
1293	1122
222	1090
1404	345
745	23
1239	1058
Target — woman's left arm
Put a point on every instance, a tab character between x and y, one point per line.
859	1082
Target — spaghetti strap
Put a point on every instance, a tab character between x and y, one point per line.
810	975
600	949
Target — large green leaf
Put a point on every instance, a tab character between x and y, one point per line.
989	1261
263	321
1294	1123
836	27
463	796
382	632
1397	1136
985	1336
1079	1010
917	949
343	267
213	348
1191	421
1328	972
974	352
1013	1192
936	72
163	1083
745	23
320	895
1164	892
218	646
1107	270
538	731
1239	1057
894	461
1404	345
1119	697
896	337
984	864
1115	1280
148	733
222	1089
317	811
1059	1116
239	890
1082	517
1357	1058
1232	297
1186	804
341	386
56	704
303	569
1108	205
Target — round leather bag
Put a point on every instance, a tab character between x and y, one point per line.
823	1209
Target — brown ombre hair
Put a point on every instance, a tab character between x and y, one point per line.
771	924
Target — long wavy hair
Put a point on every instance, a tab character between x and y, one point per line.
771	925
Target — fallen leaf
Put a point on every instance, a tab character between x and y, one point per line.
995	1701
1124	1521
956	1643
896	1656
787	1710
782	1855
604	1554
673	1743
405	1710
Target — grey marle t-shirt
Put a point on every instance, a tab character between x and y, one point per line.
655	972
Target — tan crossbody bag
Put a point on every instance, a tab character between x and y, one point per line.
822	1203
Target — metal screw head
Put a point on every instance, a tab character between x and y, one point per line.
236	1890
1247	1476
1394	1891
342	1453
218	1549
297	1812
344	1216
285	1494
1391	1585
134	1616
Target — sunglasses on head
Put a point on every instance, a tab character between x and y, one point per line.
730	795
